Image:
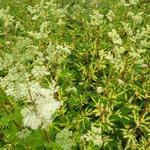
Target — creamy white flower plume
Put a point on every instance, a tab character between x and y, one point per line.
44	105
115	37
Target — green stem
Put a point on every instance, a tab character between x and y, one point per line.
46	135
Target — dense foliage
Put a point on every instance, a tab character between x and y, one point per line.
74	74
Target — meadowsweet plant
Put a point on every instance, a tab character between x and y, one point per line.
75	75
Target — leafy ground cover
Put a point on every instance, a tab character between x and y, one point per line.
74	75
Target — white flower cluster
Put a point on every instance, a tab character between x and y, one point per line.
56	53
40	12
22	79
115	37
136	18
96	18
110	15
142	34
131	2
7	19
42	33
99	89
94	135
39	71
127	28
35	11
42	102
44	9
44	105
15	81
65	140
